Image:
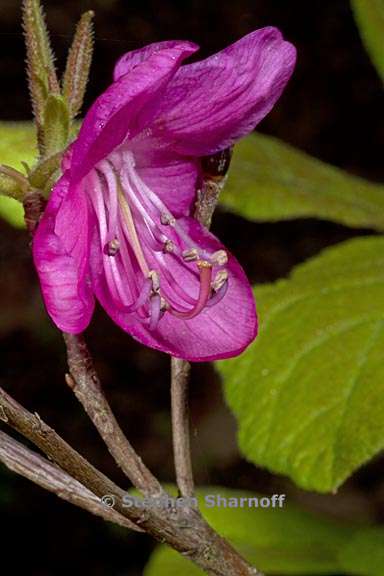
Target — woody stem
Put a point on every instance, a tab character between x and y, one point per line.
180	369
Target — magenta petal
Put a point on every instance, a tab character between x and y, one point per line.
60	257
131	59
125	108
208	105
172	177
221	331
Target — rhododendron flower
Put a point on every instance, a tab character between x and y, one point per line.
119	225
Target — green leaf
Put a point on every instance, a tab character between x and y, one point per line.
10	186
40	60
276	540
269	181
12	211
17	145
308	393
364	554
56	125
369	15
78	64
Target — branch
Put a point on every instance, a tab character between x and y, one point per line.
86	386
184	530
32	427
31	465
180	370
214	169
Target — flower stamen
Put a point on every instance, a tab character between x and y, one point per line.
135	243
112	247
190	255
220	258
219	281
167	219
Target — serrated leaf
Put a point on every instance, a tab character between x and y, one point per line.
269	180
369	15
277	541
309	392
17	145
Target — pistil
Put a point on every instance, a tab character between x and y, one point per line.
204	292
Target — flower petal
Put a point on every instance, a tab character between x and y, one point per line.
135	57
208	105
221	331
172	177
125	107
60	252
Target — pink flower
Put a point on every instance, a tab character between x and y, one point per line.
118	224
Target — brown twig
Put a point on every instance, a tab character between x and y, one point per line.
86	386
32	427
214	170
186	531
21	460
180	370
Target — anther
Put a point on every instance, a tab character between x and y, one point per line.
190	255
163	304
167	219
217	296
219	281
154	277
112	247
168	246
220	257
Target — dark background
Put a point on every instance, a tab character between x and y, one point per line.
333	110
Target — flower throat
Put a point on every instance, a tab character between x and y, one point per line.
152	265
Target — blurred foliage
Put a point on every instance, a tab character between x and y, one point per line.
269	180
17	145
364	554
369	15
308	392
280	541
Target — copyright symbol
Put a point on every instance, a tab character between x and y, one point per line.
108	500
